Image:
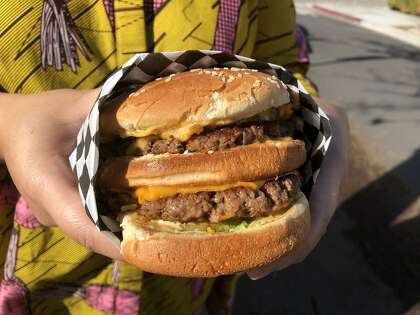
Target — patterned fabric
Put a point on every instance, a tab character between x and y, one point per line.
109	8
13	292
60	38
24	216
111	300
75	44
153	5
157	4
302	44
226	25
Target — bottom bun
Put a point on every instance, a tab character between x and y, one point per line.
187	252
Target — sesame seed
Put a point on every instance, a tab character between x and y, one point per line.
216	68
235	69
194	70
160	78
254	70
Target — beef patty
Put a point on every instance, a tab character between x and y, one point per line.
273	197
220	139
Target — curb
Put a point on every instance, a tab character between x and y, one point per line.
388	30
337	14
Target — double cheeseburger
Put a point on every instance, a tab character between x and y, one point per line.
201	169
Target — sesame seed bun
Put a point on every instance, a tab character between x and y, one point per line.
202	97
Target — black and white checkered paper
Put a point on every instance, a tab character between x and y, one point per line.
143	68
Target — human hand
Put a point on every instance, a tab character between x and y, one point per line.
37	134
324	196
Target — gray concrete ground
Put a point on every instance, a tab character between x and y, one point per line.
376	79
374	15
369	260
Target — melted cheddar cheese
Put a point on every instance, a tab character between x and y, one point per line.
181	132
152	193
184	131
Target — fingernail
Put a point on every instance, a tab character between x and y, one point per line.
254	277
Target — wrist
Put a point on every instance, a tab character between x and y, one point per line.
3	119
8	106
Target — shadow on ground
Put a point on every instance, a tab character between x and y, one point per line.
387	229
369	260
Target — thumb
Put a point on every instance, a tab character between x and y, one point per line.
61	199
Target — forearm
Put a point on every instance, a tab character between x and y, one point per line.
5	100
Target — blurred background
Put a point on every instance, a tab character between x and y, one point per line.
365	58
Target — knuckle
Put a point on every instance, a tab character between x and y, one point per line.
84	237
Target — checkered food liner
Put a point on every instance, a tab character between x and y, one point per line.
146	67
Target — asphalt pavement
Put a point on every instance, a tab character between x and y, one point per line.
375	78
369	260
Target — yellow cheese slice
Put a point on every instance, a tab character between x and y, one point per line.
152	193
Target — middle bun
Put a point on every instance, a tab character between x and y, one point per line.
243	163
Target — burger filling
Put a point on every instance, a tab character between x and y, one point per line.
239	202
273	197
209	141
233	202
224	138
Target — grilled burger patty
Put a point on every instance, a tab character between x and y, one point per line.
211	140
224	138
240	202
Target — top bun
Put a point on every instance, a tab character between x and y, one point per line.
194	99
